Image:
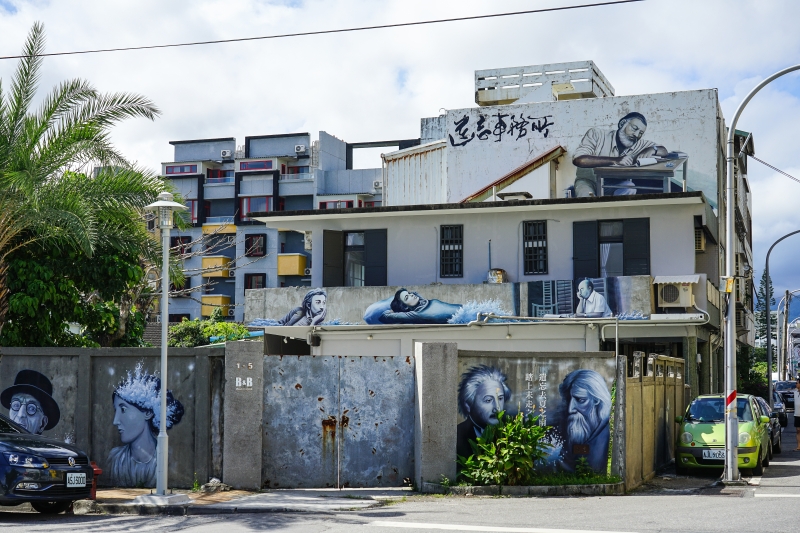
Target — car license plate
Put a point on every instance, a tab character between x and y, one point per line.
714	455
75	479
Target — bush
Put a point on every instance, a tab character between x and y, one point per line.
505	453
191	333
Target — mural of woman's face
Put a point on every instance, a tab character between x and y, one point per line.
130	421
489	400
409	298
318	303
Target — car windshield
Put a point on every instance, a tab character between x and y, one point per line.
785	385
713	410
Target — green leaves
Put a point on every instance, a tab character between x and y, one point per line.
191	333
506	453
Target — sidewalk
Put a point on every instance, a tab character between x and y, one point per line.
121	501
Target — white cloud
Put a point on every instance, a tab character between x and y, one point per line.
347	84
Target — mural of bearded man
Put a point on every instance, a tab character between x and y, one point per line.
586	427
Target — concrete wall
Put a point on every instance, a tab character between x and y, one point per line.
651	404
351	181
332	152
203	150
278	145
83	383
347	304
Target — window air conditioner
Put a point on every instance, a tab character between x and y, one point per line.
299	148
307	272
377	184
675	295
231	273
231	312
226	154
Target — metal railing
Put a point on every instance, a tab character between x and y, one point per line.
219	220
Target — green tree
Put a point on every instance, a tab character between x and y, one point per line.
46	198
765	294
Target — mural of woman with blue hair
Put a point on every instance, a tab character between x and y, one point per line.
137	401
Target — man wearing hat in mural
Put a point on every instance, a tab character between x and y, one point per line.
30	402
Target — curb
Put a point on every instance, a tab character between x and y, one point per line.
605	489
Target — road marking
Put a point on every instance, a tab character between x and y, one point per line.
460	527
755	480
767	495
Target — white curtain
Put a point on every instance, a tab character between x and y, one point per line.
605	249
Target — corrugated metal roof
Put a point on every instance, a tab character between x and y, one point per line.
691	278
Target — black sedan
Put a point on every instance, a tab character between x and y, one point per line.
780	408
786	390
47	473
775	428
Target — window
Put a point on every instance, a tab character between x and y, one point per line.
255	281
256	165
254	204
354	259
451	251
181	290
534	246
179	317
219	176
255	245
372	204
606	248
297	170
181	169
336	204
181	244
190	215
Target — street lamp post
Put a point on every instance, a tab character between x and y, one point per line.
731	473
164	208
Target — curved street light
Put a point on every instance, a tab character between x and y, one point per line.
731	473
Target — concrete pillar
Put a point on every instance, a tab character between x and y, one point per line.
244	405
435	413
690	359
705	367
618	447
593	337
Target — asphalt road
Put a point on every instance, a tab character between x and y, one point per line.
668	504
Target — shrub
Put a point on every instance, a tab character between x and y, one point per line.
191	333
506	452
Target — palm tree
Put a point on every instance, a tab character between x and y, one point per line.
46	194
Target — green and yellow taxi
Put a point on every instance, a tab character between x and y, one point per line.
701	437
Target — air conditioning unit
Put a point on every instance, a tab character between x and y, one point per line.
231	273
675	295
226	154
299	148
307	272
231	311
377	184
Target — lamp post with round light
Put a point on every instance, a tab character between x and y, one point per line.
164	209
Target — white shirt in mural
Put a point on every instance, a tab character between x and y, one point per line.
604	143
594	304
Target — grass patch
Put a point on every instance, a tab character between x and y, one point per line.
570	478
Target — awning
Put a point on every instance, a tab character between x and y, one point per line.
691	278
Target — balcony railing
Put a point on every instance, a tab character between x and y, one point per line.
214	181
219	220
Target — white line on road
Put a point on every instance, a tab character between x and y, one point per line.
767	495
755	480
460	527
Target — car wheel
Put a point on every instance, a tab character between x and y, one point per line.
777	448
51	507
758	470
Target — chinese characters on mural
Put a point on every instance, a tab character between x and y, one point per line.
499	127
30	402
577	410
137	401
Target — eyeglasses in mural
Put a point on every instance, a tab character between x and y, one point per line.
571	395
137	403
30	402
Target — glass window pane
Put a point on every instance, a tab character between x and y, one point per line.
354	239
354	268
612	230
610	259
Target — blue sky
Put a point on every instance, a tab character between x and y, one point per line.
376	85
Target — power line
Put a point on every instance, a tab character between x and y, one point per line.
775	169
325	32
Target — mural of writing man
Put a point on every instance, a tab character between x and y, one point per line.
591	304
620	147
588	402
30	402
482	394
409	307
311	311
137	401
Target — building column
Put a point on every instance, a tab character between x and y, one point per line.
690	359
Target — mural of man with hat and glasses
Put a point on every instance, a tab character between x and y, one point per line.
30	402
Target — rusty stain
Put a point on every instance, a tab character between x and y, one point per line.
345	421
408	359
322	409
298	386
372	393
320	399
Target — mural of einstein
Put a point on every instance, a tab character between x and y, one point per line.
585	429
311	311
137	401
409	307
482	394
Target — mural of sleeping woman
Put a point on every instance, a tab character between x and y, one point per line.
408	307
137	401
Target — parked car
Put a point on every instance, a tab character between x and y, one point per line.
774	425
45	472
786	390
701	438
779	407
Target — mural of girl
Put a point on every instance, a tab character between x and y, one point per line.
137	401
